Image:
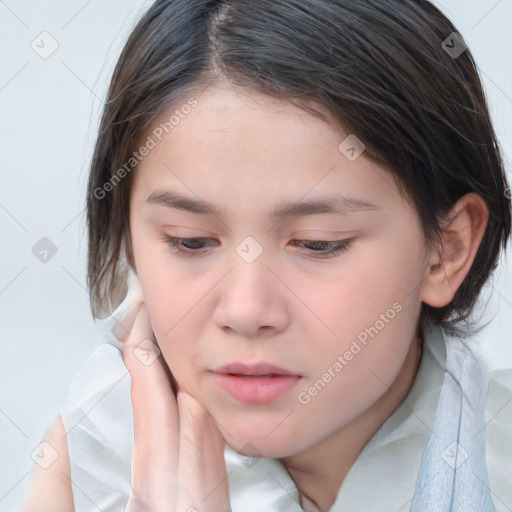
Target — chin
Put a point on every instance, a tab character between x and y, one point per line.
260	447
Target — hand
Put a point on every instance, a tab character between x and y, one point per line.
178	454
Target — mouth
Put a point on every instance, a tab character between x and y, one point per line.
253	376
256	389
262	369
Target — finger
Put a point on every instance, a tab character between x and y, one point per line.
202	475
156	421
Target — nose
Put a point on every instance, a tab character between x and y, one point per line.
253	300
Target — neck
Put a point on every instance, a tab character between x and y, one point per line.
319	471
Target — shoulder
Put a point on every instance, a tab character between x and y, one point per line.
97	414
498	439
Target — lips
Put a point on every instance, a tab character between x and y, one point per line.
256	370
255	384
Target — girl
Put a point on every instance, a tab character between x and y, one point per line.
292	209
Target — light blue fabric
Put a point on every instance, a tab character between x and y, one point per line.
453	475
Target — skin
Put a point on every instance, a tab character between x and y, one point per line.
289	307
247	153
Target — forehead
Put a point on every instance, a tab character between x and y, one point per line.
227	144
222	115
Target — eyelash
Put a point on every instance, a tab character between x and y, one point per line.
338	246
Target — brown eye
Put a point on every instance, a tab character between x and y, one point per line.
185	245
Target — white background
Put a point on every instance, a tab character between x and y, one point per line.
50	110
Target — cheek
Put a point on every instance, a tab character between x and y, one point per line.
370	313
168	293
352	375
172	313
354	297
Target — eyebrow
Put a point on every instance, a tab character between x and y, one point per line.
334	203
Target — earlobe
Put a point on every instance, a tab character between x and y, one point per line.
463	233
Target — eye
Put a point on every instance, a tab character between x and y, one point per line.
320	248
325	247
190	244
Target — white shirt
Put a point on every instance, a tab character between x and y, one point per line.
98	418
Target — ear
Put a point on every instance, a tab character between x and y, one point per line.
462	235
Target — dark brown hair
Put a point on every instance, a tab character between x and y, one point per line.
379	67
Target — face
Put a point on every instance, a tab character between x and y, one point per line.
247	285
